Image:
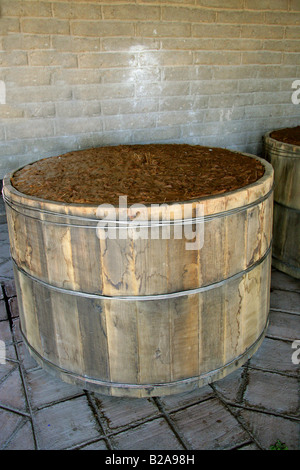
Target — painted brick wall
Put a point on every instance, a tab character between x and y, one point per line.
77	74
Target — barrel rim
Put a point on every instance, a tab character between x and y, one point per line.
290	150
212	204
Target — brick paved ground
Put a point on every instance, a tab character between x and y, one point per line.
249	409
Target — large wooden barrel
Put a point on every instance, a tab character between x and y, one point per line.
143	317
285	159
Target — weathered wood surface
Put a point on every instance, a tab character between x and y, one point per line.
67	253
146	347
68	282
285	159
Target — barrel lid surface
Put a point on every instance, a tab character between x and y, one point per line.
210	204
288	135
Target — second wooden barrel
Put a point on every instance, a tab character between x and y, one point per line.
285	158
143	317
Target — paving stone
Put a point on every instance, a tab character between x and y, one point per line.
173	402
65	424
4	250
272	392
10	288
10	352
16	329
275	355
268	428
209	426
12	392
23	439
13	307
284	325
251	446
153	435
6	270
5	332
43	388
3	219
3	227
8	423
6	336
3	312
230	386
119	412
99	445
27	361
285	301
7	368
17	335
281	280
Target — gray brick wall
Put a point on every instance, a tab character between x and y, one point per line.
86	73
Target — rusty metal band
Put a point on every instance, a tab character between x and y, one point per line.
134	298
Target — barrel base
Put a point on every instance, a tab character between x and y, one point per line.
286	268
145	390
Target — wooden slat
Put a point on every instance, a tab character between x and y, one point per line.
122	341
212	318
154	339
86	259
28	313
233	337
46	321
67	332
93	337
185	337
